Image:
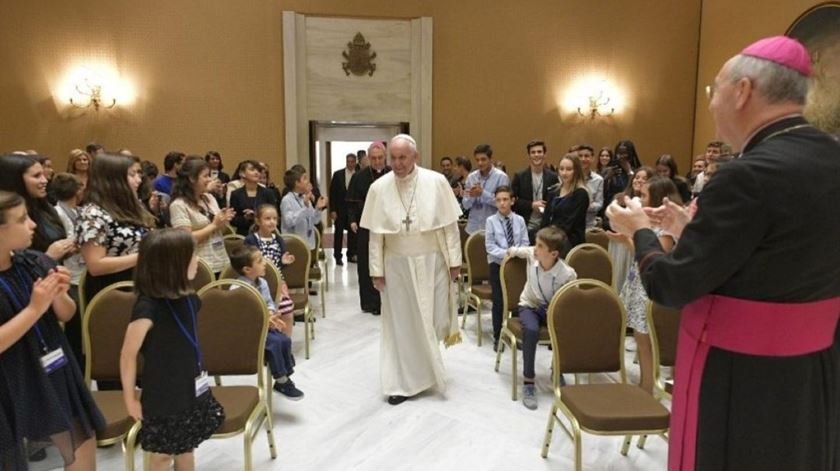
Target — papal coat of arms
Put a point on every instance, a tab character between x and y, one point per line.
359	57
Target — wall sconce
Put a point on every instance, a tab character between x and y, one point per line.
597	106
89	93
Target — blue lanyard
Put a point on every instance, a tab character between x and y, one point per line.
18	304
193	339
539	285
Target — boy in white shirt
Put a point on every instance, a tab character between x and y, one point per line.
547	272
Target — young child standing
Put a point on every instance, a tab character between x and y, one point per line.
633	294
43	397
300	211
503	230
250	264
176	406
265	238
547	272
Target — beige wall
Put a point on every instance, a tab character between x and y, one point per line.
727	27
209	73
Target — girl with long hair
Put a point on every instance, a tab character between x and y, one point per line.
567	210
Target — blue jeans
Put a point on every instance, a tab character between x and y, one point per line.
278	354
532	319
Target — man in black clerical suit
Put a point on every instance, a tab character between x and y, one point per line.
756	271
338	210
532	188
356	195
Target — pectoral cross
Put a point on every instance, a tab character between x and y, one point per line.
407	221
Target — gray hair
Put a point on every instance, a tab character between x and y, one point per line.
406	138
775	82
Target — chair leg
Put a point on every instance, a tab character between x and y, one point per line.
246	437
641	443
514	376
549	431
465	310
323	305
499	354
269	429
578	447
626	445
306	340
478	321
129	446
218	380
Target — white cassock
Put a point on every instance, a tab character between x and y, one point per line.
414	240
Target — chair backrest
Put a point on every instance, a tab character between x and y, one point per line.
598	237
203	277
232	325
514	276
476	255
462	230
272	276
103	329
591	261
664	325
586	322
297	274
233	242
228	230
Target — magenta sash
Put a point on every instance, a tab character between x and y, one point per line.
741	326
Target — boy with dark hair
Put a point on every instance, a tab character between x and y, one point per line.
250	265
503	230
547	273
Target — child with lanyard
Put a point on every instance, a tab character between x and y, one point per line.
176	406
547	272
43	397
265	238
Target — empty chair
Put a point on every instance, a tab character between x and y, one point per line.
586	323
297	279
478	270
591	261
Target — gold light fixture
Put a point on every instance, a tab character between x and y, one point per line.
89	94
599	105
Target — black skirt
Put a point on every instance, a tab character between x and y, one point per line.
182	432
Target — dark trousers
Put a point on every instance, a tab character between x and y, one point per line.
367	293
278	353
532	319
496	288
342	223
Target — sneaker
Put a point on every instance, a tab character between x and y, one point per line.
289	390
529	396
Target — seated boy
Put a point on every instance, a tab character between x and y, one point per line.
249	263
547	272
503	230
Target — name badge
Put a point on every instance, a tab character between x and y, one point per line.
53	360
202	384
217	243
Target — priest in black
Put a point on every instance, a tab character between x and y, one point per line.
339	184
356	195
531	188
756	271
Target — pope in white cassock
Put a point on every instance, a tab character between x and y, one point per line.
415	256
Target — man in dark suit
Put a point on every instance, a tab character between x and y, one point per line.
533	188
338	210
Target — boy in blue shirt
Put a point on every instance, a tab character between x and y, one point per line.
250	264
503	230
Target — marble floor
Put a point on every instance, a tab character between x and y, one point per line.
344	423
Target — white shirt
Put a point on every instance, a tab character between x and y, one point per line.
541	284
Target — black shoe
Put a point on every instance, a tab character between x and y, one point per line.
289	390
375	312
353	259
469	309
339	263
496	345
39	455
299	318
397	400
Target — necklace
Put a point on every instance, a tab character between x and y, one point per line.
786	130
407	221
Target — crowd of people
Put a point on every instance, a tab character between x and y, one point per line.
713	241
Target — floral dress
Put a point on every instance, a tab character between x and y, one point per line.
635	298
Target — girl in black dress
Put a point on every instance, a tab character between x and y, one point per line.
176	408
43	397
567	210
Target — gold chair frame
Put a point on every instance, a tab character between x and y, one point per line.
575	433
308	315
128	439
470	299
